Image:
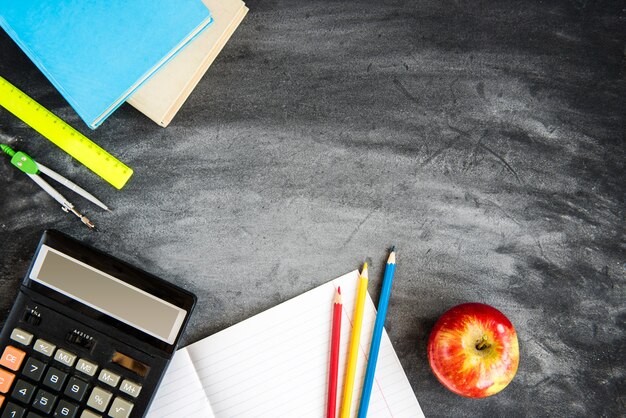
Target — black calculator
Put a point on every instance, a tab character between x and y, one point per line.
88	336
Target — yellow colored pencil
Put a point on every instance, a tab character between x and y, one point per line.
355	339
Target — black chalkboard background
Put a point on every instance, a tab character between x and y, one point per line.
484	139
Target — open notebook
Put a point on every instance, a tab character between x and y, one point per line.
275	364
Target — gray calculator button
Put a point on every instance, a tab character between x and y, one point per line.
86	367
120	408
88	414
65	357
76	389
130	388
23	391
34	369
65	409
44	347
54	379
44	401
108	377
99	399
21	336
13	410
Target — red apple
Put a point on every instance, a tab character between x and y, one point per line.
473	350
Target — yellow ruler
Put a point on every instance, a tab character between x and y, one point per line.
63	135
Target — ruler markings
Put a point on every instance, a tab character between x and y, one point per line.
63	135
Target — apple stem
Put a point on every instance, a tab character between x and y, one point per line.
482	344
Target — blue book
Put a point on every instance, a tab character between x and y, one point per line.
97	52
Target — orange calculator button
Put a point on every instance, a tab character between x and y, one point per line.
6	378
12	358
1	400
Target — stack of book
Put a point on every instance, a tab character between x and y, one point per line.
100	54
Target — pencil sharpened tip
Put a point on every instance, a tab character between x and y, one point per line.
338	296
393	249
364	270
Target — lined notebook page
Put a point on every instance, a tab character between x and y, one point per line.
180	394
275	364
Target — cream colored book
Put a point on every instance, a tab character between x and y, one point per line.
164	93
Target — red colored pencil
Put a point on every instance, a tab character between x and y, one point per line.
334	356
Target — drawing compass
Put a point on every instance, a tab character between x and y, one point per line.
33	169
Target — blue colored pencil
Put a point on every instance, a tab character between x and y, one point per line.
383	303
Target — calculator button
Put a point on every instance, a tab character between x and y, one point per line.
65	357
76	389
33	369
13	411
130	388
6	379
54	379
120	408
1	400
88	414
108	377
86	367
21	336
23	391
44	401
66	409
12	358
44	347
99	399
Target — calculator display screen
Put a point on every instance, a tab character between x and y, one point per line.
107	294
